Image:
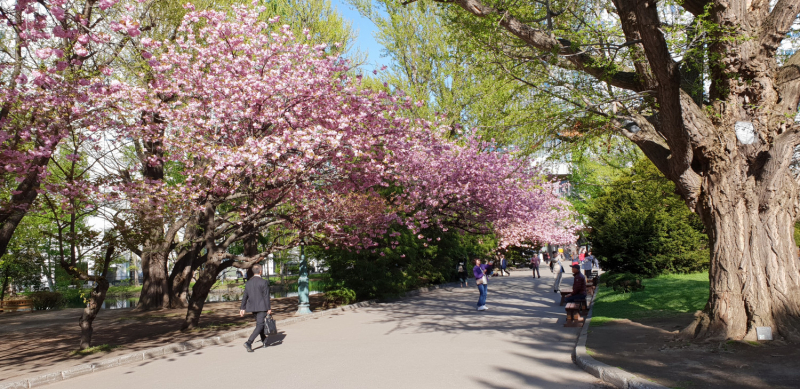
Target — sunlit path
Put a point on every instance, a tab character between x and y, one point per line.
436	340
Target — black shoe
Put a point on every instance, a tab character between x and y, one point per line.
265	342
247	346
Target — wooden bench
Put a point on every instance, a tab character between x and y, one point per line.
574	318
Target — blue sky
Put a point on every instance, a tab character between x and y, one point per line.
366	39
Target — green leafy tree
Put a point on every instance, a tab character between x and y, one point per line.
639	225
453	80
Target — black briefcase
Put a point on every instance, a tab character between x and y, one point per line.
272	327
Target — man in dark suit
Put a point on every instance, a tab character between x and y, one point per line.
256	301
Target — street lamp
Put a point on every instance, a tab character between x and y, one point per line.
302	281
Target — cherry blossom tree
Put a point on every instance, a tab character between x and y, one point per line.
476	187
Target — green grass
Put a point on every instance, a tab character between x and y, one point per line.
91	350
663	296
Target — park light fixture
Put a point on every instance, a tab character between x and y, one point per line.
303	306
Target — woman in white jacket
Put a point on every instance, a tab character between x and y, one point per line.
558	271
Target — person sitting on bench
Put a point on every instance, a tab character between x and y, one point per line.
578	286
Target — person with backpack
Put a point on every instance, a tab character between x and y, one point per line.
480	271
461	269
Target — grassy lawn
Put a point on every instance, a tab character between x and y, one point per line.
662	296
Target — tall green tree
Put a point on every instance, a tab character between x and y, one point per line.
455	82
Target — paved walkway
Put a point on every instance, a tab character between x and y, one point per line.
437	340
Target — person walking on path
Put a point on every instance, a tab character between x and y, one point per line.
503	266
462	274
479	271
535	266
558	258
558	270
578	286
256	301
586	266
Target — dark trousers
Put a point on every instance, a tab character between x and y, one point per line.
261	329
575	297
587	273
536	270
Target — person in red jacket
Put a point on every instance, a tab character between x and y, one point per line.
578	286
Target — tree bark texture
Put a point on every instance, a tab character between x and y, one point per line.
180	278
155	275
202	286
155	285
740	186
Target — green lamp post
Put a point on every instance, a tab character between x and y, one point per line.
302	281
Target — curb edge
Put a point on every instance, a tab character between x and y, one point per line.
609	374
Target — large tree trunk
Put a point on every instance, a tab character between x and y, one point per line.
155	285
755	275
188	260
181	276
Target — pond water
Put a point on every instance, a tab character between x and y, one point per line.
113	302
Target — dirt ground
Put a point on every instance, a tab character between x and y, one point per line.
42	341
651	350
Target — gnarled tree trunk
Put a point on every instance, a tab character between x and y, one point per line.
155	285
205	281
181	276
755	275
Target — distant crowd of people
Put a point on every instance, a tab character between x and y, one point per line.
498	267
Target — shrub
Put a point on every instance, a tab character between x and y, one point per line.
640	226
47	300
341	296
622	282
